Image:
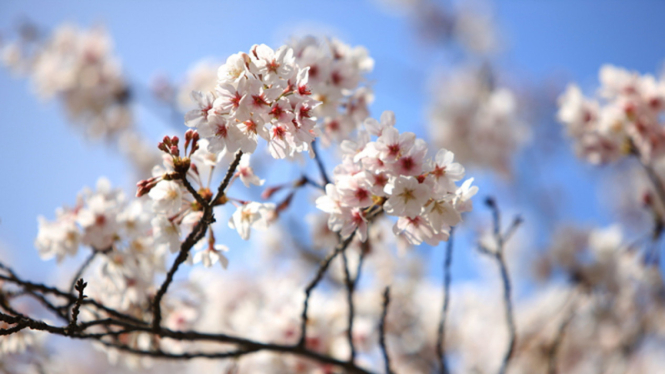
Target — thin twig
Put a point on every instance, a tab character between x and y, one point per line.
321	272
319	163
314	282
349	288
199	199
441	338
84	266
197	234
247	346
227	178
382	330
80	287
508	306
498	256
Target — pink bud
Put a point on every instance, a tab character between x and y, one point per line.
268	192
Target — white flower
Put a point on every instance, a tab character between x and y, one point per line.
246	173
166	233
406	197
210	256
250	215
463	197
418	230
196	117
166	197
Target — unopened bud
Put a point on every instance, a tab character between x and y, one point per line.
167	140
285	204
175	151
268	192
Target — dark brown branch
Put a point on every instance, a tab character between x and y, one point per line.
13	330
199	199
247	346
382	330
227	178
319	164
80	287
441	337
31	287
314	282
84	266
197	234
350	287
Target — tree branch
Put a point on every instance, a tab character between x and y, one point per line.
498	256
349	288
320	165
441	338
382	330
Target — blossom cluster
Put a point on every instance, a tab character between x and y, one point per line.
624	117
393	172
78	66
479	122
336	72
176	208
261	94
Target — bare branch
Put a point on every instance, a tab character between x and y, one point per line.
227	178
314	282
498	256
80	287
319	163
197	234
382	330
350	287
441	338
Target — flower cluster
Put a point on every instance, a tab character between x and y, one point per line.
261	94
623	118
394	172
479	122
175	207
336	71
78	66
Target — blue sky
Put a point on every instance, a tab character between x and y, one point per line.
46	161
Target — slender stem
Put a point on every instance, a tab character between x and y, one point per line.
382	330
321	272
350	288
246	346
84	266
319	163
498	256
441	339
314	282
227	178
508	307
197	234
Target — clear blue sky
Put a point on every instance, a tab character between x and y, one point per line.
45	162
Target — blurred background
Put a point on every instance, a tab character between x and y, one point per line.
429	57
534	48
